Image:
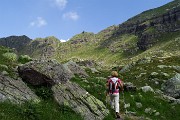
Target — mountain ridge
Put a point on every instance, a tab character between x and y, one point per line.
116	43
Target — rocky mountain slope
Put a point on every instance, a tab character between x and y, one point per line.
146	33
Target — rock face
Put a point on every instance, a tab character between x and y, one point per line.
75	69
80	101
47	72
56	75
172	87
15	91
42	47
17	42
149	28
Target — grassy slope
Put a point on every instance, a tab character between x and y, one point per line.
111	51
92	51
45	110
120	50
95	85
155	12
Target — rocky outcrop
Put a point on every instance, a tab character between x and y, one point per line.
149	29
42	47
15	91
172	87
80	101
57	76
16	42
75	69
48	72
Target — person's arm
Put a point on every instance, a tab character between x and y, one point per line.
121	85
107	87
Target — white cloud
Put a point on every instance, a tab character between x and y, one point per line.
39	22
71	16
60	3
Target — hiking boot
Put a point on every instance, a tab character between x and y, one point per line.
117	115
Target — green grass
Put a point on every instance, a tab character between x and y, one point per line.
150	100
155	12
96	86
134	74
45	110
6	64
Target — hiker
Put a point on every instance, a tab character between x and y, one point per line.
114	86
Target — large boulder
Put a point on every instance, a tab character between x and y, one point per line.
40	72
172	86
15	91
75	69
65	92
72	95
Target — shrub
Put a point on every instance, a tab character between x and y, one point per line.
10	57
24	59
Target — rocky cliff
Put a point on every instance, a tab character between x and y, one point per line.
150	26
16	42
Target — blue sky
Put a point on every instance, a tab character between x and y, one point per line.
66	18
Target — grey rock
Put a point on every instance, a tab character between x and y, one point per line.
128	86
75	69
162	66
65	92
48	72
148	110
154	73
172	86
177	68
157	114
17	42
72	95
147	89
5	73
93	70
15	91
138	105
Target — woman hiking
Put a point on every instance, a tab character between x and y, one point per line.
114	86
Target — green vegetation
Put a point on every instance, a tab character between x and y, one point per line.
95	85
155	12
10	57
8	60
150	100
141	73
24	59
44	110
